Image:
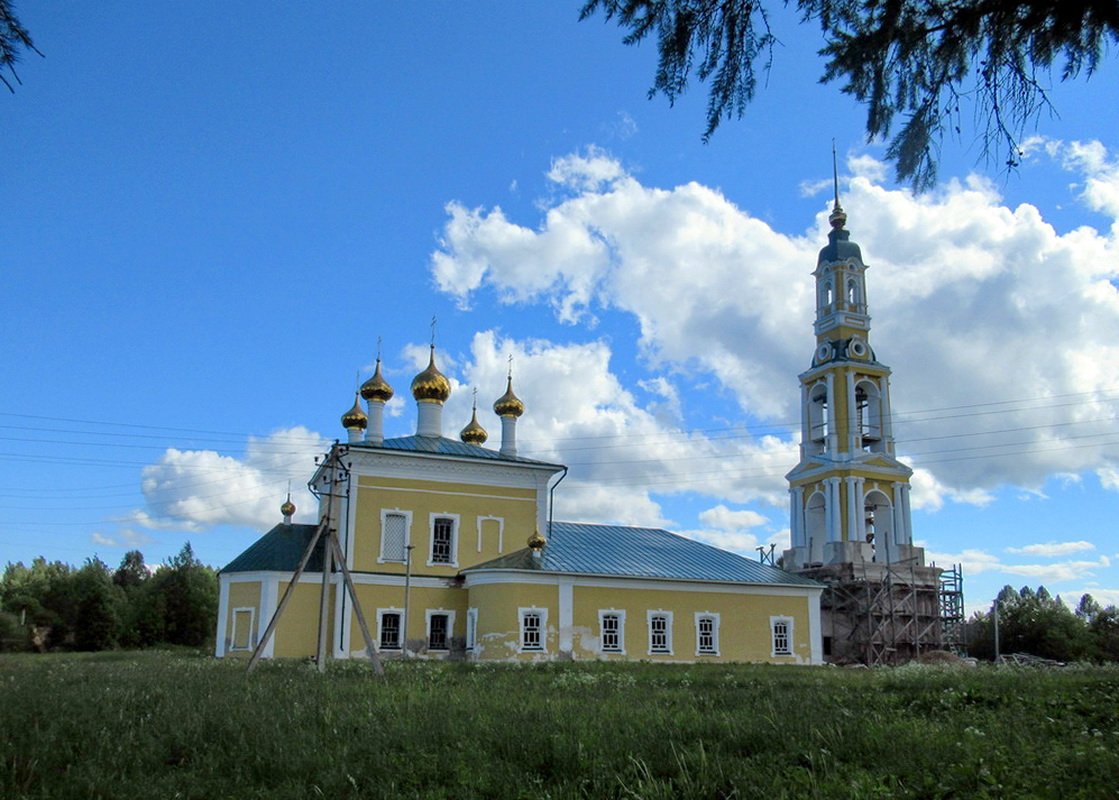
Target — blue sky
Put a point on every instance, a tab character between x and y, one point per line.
213	212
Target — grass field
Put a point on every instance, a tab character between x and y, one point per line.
161	725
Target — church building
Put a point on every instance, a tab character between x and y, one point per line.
453	554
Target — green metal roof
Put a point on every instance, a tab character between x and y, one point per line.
623	551
573	548
279	550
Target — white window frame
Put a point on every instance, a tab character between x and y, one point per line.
714	617
233	629
471	630
500	532
386	512
450	615
543	614
788	623
621	615
454	518
653	614
380	623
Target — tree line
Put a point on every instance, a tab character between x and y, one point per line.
51	605
1036	623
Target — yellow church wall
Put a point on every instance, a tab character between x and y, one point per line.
239	641
744	623
508	517
499	625
297	632
421	599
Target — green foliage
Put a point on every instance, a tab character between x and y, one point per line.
158	725
1039	624
911	60
93	608
13	39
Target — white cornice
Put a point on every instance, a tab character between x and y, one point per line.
477	577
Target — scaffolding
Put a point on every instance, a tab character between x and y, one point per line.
880	614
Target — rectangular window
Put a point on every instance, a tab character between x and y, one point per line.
444	534
394	536
707	634
660	632
782	628
242	638
533	622
438	632
471	629
612	631
390	630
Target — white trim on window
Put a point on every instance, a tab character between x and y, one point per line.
450	632
471	629
660	634
400	633
612	642
452	545
533	623
250	642
706	638
500	532
781	636
402	556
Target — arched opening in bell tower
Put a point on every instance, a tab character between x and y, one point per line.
879	513
818	419
853	299
868	416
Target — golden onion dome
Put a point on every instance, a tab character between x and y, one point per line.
509	405
355	417
377	389
537	541
474	433
288	508
431	384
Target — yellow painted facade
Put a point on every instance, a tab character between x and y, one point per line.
497	589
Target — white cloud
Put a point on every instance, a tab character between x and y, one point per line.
1052	548
1002	334
622	455
192	489
976	562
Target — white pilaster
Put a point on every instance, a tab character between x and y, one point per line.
860	513
852	517
852	434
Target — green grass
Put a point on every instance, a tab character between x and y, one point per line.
162	725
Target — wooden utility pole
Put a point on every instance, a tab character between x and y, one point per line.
332	554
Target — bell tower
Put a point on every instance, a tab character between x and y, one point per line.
848	495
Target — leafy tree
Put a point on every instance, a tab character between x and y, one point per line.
188	592
13	38
97	619
132	572
911	60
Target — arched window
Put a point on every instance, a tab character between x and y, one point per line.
879	524
852	293
868	416
818	418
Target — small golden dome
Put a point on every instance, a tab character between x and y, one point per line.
288	508
474	433
537	541
431	384
377	389
355	417
509	405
